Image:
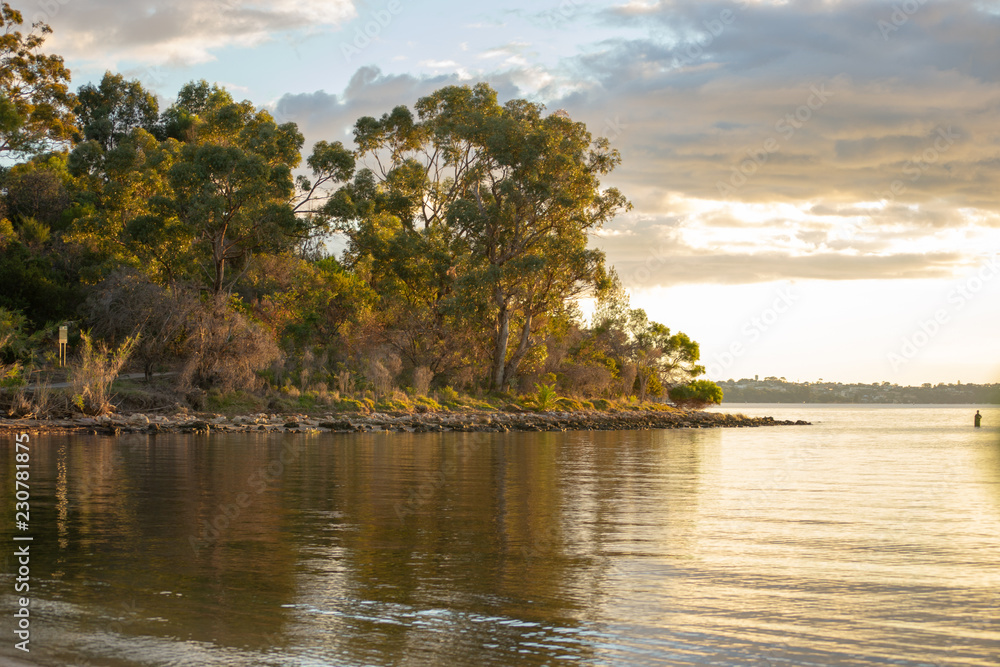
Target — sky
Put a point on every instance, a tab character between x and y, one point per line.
815	184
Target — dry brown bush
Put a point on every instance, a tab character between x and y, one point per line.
586	379
97	368
225	349
345	383
127	302
422	377
381	371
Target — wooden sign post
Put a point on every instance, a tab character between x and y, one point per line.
63	339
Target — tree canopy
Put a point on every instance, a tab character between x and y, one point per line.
204	228
498	201
36	105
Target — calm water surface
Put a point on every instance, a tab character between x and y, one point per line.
869	538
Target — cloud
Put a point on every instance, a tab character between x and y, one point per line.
181	31
370	92
846	149
845	111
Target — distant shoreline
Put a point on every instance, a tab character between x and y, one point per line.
778	390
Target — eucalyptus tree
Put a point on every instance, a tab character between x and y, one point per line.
107	113
498	200
201	201
36	105
233	184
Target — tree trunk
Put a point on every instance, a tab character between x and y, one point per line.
220	273
522	350
500	349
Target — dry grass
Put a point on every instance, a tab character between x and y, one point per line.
98	367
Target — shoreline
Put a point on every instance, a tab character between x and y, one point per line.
380	422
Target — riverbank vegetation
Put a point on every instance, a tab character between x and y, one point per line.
191	244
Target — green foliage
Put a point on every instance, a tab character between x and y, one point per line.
38	190
568	404
447	395
93	373
36	283
545	397
393	405
477	217
427	402
696	394
237	402
7	233
108	113
35	102
468	225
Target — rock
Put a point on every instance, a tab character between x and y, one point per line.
138	420
338	425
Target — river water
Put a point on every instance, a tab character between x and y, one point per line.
869	538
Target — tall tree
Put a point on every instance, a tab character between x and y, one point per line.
108	112
233	185
36	106
217	190
514	191
530	196
125	215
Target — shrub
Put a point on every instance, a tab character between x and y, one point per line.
225	349
234	402
696	394
350	405
92	377
602	404
429	404
568	404
345	382
422	377
447	395
381	372
127	302
545	397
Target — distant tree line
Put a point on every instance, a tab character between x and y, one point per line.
781	391
198	234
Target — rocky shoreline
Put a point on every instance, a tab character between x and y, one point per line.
432	422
